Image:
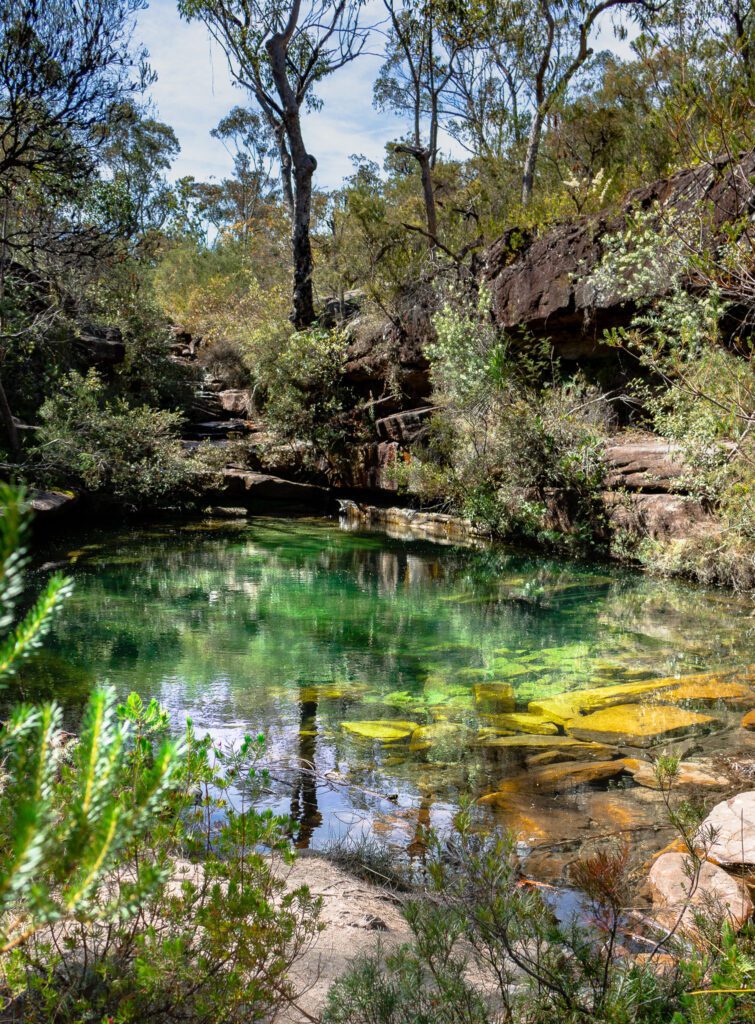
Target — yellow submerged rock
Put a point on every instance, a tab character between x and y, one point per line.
426	736
530	744
384	730
562	708
639	725
331	691
499	695
556	778
521	721
709	692
689	773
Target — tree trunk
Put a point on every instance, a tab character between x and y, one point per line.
303	165
304	302
428	192
530	160
11	431
423	158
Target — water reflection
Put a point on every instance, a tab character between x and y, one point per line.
295	627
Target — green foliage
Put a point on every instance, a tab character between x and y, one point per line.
19	637
129	453
137	879
306	399
486	947
509	433
699	391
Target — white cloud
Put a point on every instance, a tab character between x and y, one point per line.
194	90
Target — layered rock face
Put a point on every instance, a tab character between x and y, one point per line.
539	282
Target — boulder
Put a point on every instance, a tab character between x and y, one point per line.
241	485
748	722
728	833
236	402
51	504
404	427
639	725
101	346
651	465
675	893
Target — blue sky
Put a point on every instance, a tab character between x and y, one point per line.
194	91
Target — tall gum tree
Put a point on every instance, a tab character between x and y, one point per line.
278	50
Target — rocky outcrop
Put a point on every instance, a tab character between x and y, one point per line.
651	465
407	523
540	281
52	504
101	347
250	489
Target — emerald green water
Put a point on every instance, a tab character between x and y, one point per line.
292	627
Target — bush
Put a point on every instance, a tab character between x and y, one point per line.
511	441
701	387
133	882
488	947
129	453
305	396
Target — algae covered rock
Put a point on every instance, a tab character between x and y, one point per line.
640	725
521	722
728	833
497	695
426	736
383	729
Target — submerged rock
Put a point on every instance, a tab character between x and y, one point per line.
558	777
383	730
678	890
640	725
525	743
500	695
520	722
426	736
689	773
728	833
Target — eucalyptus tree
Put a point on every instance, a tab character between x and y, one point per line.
279	50
417	72
551	43
66	67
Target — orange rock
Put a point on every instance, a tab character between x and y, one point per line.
748	722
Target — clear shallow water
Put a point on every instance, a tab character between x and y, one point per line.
293	627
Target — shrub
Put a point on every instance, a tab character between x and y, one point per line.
306	399
701	388
106	446
510	440
133	882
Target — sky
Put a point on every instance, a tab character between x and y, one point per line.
194	91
